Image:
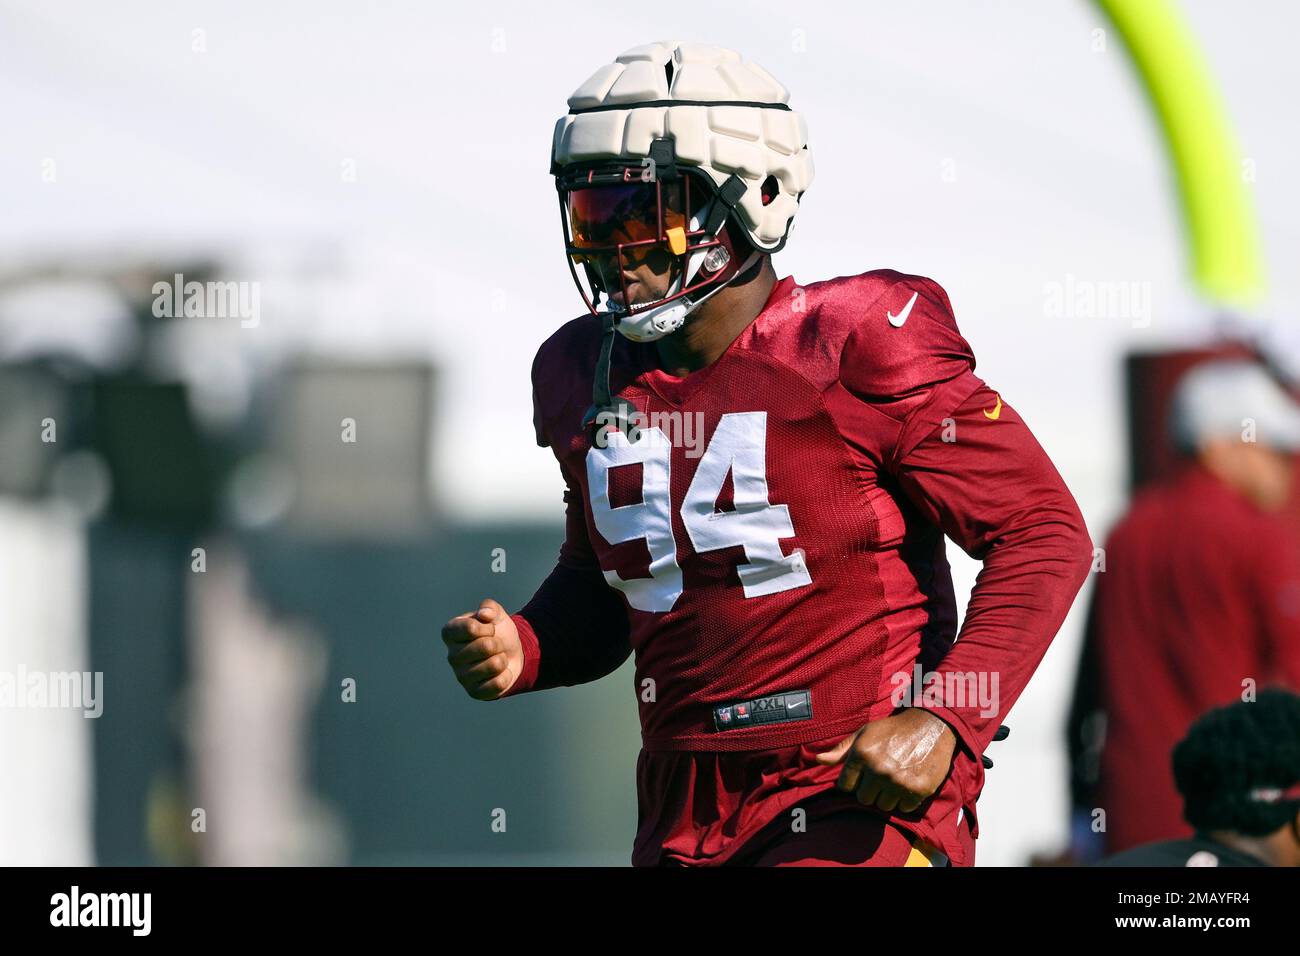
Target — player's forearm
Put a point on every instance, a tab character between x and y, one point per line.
573	631
1021	598
996	493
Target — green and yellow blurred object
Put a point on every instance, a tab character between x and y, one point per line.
1222	229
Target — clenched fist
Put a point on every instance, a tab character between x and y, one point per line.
483	650
894	763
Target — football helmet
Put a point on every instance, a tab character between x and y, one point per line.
658	152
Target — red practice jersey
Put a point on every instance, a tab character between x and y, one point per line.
771	549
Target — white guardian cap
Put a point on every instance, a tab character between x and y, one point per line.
660	152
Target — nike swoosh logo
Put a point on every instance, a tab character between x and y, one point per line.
997	410
897	320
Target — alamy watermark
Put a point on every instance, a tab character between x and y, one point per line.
131	911
679	429
955	689
1077	298
68	690
208	300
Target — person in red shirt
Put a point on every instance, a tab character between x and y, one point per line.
1199	605
759	477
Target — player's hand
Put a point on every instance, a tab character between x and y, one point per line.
483	650
894	763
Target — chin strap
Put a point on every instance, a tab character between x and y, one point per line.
604	411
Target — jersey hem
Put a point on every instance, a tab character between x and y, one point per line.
732	741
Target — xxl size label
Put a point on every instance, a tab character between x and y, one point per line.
772	709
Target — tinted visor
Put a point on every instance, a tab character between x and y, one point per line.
616	224
605	216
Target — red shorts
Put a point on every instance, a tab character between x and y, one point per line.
764	808
835	836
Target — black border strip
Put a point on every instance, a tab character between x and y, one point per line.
647	104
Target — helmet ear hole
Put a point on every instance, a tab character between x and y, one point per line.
769	189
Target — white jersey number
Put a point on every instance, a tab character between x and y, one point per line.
738	446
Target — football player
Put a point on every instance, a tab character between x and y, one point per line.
760	474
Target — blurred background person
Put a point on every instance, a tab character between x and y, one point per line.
1199	604
1238	771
